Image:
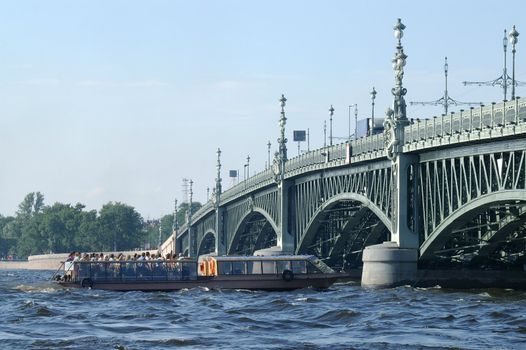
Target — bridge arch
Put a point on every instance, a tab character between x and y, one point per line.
207	243
462	215
244	240
314	223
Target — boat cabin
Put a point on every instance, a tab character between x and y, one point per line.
210	265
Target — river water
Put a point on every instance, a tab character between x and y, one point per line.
35	314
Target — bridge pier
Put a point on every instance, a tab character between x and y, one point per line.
394	263
388	265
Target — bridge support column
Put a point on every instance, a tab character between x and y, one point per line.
220	248
192	244
285	240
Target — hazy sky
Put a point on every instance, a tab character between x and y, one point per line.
119	100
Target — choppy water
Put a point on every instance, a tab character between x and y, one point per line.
37	315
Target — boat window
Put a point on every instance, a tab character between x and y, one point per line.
238	268
269	267
254	267
283	265
299	266
224	268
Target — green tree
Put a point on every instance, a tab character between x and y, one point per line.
9	233
31	240
7	241
59	226
32	204
88	234
120	227
25	229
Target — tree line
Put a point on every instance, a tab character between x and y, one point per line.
37	228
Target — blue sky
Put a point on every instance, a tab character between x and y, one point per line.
120	100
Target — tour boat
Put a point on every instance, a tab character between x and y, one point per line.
283	272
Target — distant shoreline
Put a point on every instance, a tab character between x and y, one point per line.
48	261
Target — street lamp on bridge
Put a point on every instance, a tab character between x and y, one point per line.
247	168
324	133
504	80
331	113
373	97
355	105
268	153
513	34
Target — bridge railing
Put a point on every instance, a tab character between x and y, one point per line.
336	154
476	119
329	156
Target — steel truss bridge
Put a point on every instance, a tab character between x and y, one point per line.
465	197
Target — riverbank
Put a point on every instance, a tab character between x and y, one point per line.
49	261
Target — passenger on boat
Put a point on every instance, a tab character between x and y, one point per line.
68	266
83	269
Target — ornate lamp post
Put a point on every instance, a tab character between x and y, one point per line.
248	166
355	105
280	157
331	113
324	133
504	80
513	34
191	239
285	241
392	262
216	199
175	227
268	152
373	97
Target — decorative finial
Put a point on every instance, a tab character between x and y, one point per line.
331	111
282	101
513	35
399	30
